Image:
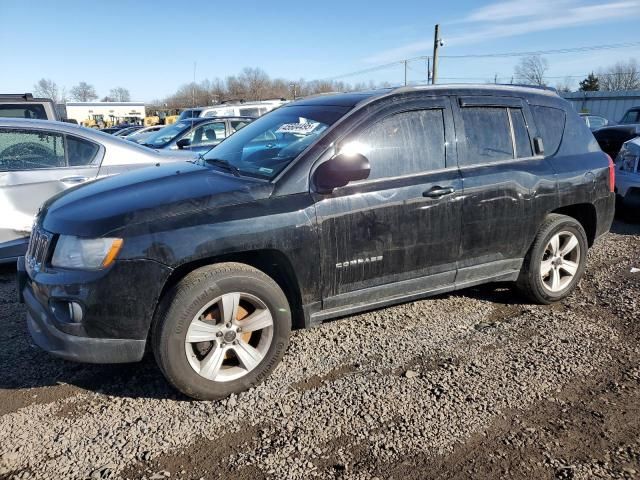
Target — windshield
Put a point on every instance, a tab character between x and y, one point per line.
266	146
166	134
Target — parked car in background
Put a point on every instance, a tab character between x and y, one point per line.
367	200
628	177
595	122
139	136
190	113
611	138
41	158
196	134
250	109
127	130
25	106
120	128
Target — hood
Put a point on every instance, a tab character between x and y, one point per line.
177	155
144	195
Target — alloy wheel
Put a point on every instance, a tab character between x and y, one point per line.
560	261
229	337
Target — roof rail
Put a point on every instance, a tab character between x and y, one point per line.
17	96
413	88
321	94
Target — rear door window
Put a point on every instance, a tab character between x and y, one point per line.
520	133
23	149
404	143
487	135
550	122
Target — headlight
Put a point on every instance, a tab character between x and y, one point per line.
85	253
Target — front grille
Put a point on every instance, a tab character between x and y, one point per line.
38	250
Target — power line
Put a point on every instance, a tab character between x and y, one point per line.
585	49
548	52
478	77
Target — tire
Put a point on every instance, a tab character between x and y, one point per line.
204	355
559	282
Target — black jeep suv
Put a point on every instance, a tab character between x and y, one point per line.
323	208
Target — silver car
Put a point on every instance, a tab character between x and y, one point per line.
40	158
628	176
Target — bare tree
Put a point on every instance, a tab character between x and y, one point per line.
46	88
621	76
120	94
250	84
565	85
255	83
531	70
83	92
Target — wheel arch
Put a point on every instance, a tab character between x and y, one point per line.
585	214
272	262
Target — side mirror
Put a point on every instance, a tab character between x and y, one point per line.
183	142
538	146
340	170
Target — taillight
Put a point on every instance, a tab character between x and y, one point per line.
612	175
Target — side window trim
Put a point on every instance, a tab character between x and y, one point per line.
514	146
530	135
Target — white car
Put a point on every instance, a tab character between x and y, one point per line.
628	175
139	136
40	158
249	109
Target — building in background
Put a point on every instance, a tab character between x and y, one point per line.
105	114
611	105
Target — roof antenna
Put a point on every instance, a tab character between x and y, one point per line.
193	86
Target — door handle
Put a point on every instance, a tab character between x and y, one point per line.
438	191
74	179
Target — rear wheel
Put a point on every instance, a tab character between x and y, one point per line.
556	261
221	330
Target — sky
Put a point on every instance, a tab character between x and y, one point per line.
150	47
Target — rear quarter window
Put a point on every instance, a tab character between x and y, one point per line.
550	122
577	137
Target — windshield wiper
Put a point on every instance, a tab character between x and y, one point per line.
224	164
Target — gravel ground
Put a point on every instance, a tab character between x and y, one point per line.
475	384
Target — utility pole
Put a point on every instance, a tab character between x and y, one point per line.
437	43
405	73
495	78
428	70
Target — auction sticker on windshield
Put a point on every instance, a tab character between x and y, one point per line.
297	128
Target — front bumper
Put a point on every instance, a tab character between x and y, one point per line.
71	347
117	308
11	251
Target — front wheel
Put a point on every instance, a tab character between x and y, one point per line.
221	330
556	260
